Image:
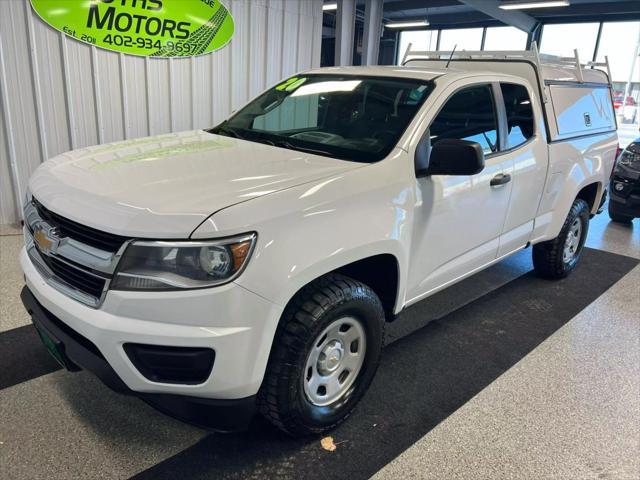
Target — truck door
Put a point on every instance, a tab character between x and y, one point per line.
524	148
458	219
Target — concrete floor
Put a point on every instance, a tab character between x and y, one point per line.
570	409
12	313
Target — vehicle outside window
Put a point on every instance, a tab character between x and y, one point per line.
505	38
424	40
461	39
519	114
560	39
468	115
346	117
619	43
619	102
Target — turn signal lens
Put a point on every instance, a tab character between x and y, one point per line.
240	253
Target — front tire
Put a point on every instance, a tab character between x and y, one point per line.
325	353
617	217
558	257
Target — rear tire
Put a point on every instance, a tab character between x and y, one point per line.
617	217
322	331
558	257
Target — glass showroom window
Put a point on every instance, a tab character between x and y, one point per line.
562	38
620	42
505	38
464	38
419	40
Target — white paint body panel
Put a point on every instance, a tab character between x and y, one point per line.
165	186
312	215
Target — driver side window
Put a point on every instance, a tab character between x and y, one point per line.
468	115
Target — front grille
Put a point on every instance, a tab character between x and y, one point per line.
87	235
77	278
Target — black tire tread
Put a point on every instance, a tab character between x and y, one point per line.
547	255
617	217
304	310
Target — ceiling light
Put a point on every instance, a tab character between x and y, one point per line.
541	4
329	6
420	23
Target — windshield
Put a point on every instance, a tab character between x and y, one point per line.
347	117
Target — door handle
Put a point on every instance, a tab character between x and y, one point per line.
500	179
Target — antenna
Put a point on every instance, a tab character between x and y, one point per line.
451	56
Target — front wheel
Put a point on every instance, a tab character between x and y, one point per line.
325	354
617	217
558	257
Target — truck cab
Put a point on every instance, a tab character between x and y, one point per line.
253	265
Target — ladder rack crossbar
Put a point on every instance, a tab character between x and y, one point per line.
533	55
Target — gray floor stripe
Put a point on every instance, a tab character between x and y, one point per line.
23	357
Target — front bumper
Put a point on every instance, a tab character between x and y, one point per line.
79	353
234	322
627	201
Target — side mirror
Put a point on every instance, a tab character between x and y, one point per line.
451	156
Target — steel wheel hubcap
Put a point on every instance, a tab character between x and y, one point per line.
334	362
572	243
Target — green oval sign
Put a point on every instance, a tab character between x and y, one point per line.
153	28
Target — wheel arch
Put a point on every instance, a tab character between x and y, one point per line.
591	193
380	272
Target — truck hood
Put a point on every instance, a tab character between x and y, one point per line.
165	186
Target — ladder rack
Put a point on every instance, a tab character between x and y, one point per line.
532	55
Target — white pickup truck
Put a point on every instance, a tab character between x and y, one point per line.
253	266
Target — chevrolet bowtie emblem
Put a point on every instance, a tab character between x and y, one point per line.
46	239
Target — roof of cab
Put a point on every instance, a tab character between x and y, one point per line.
394	71
460	67
384	71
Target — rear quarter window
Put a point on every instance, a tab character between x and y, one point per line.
520	124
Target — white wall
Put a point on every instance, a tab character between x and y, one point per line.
57	94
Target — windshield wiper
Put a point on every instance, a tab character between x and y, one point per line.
228	131
224	129
291	146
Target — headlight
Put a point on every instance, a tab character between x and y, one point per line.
165	265
630	157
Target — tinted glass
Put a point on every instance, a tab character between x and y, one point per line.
519	114
468	115
347	117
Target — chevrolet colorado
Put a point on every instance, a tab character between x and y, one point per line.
252	266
